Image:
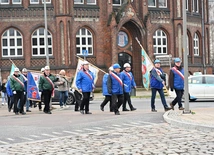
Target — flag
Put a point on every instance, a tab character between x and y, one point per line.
147	66
33	86
12	69
92	68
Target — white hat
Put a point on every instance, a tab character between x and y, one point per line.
85	63
24	70
126	65
42	69
111	68
47	68
16	69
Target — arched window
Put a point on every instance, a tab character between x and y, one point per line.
196	44
12	43
160	42
38	43
84	42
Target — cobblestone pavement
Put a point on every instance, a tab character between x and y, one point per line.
140	140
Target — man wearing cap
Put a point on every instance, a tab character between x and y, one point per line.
46	88
176	82
105	91
115	88
85	85
18	89
129	83
26	101
157	82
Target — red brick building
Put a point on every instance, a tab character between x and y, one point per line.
105	28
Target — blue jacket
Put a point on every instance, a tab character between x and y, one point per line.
8	89
84	81
176	82
114	86
155	79
128	81
104	85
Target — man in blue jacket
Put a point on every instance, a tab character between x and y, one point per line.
129	83
157	82
85	85
105	91
176	81
115	88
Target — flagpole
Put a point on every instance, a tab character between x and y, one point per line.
91	64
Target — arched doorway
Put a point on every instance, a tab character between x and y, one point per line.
129	50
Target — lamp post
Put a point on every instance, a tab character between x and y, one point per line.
185	55
46	35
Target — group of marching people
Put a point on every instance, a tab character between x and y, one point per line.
116	86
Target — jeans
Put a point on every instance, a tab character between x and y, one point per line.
4	97
26	102
163	100
63	95
179	94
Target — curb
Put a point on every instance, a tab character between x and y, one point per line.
172	118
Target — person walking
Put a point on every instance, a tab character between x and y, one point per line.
18	88
176	82
115	88
129	83
157	82
85	85
46	88
105	91
62	88
3	92
26	101
10	98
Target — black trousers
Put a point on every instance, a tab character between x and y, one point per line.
127	99
117	101
85	101
47	98
78	97
178	99
19	96
106	100
10	102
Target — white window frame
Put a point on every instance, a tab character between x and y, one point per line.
187	5
17	2
117	4
162	6
193	6
8	1
38	46
47	1
151	6
187	44
86	36
156	37
92	3
196	45
34	2
79	2
9	47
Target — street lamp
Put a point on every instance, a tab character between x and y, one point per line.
46	33
185	55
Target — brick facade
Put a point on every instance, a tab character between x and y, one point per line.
104	22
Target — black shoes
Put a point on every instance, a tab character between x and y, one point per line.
167	108
87	112
76	110
153	110
133	109
28	110
23	113
117	113
48	112
81	111
125	109
181	108
16	113
101	108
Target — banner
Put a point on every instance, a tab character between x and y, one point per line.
12	69
147	66
93	69
33	86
